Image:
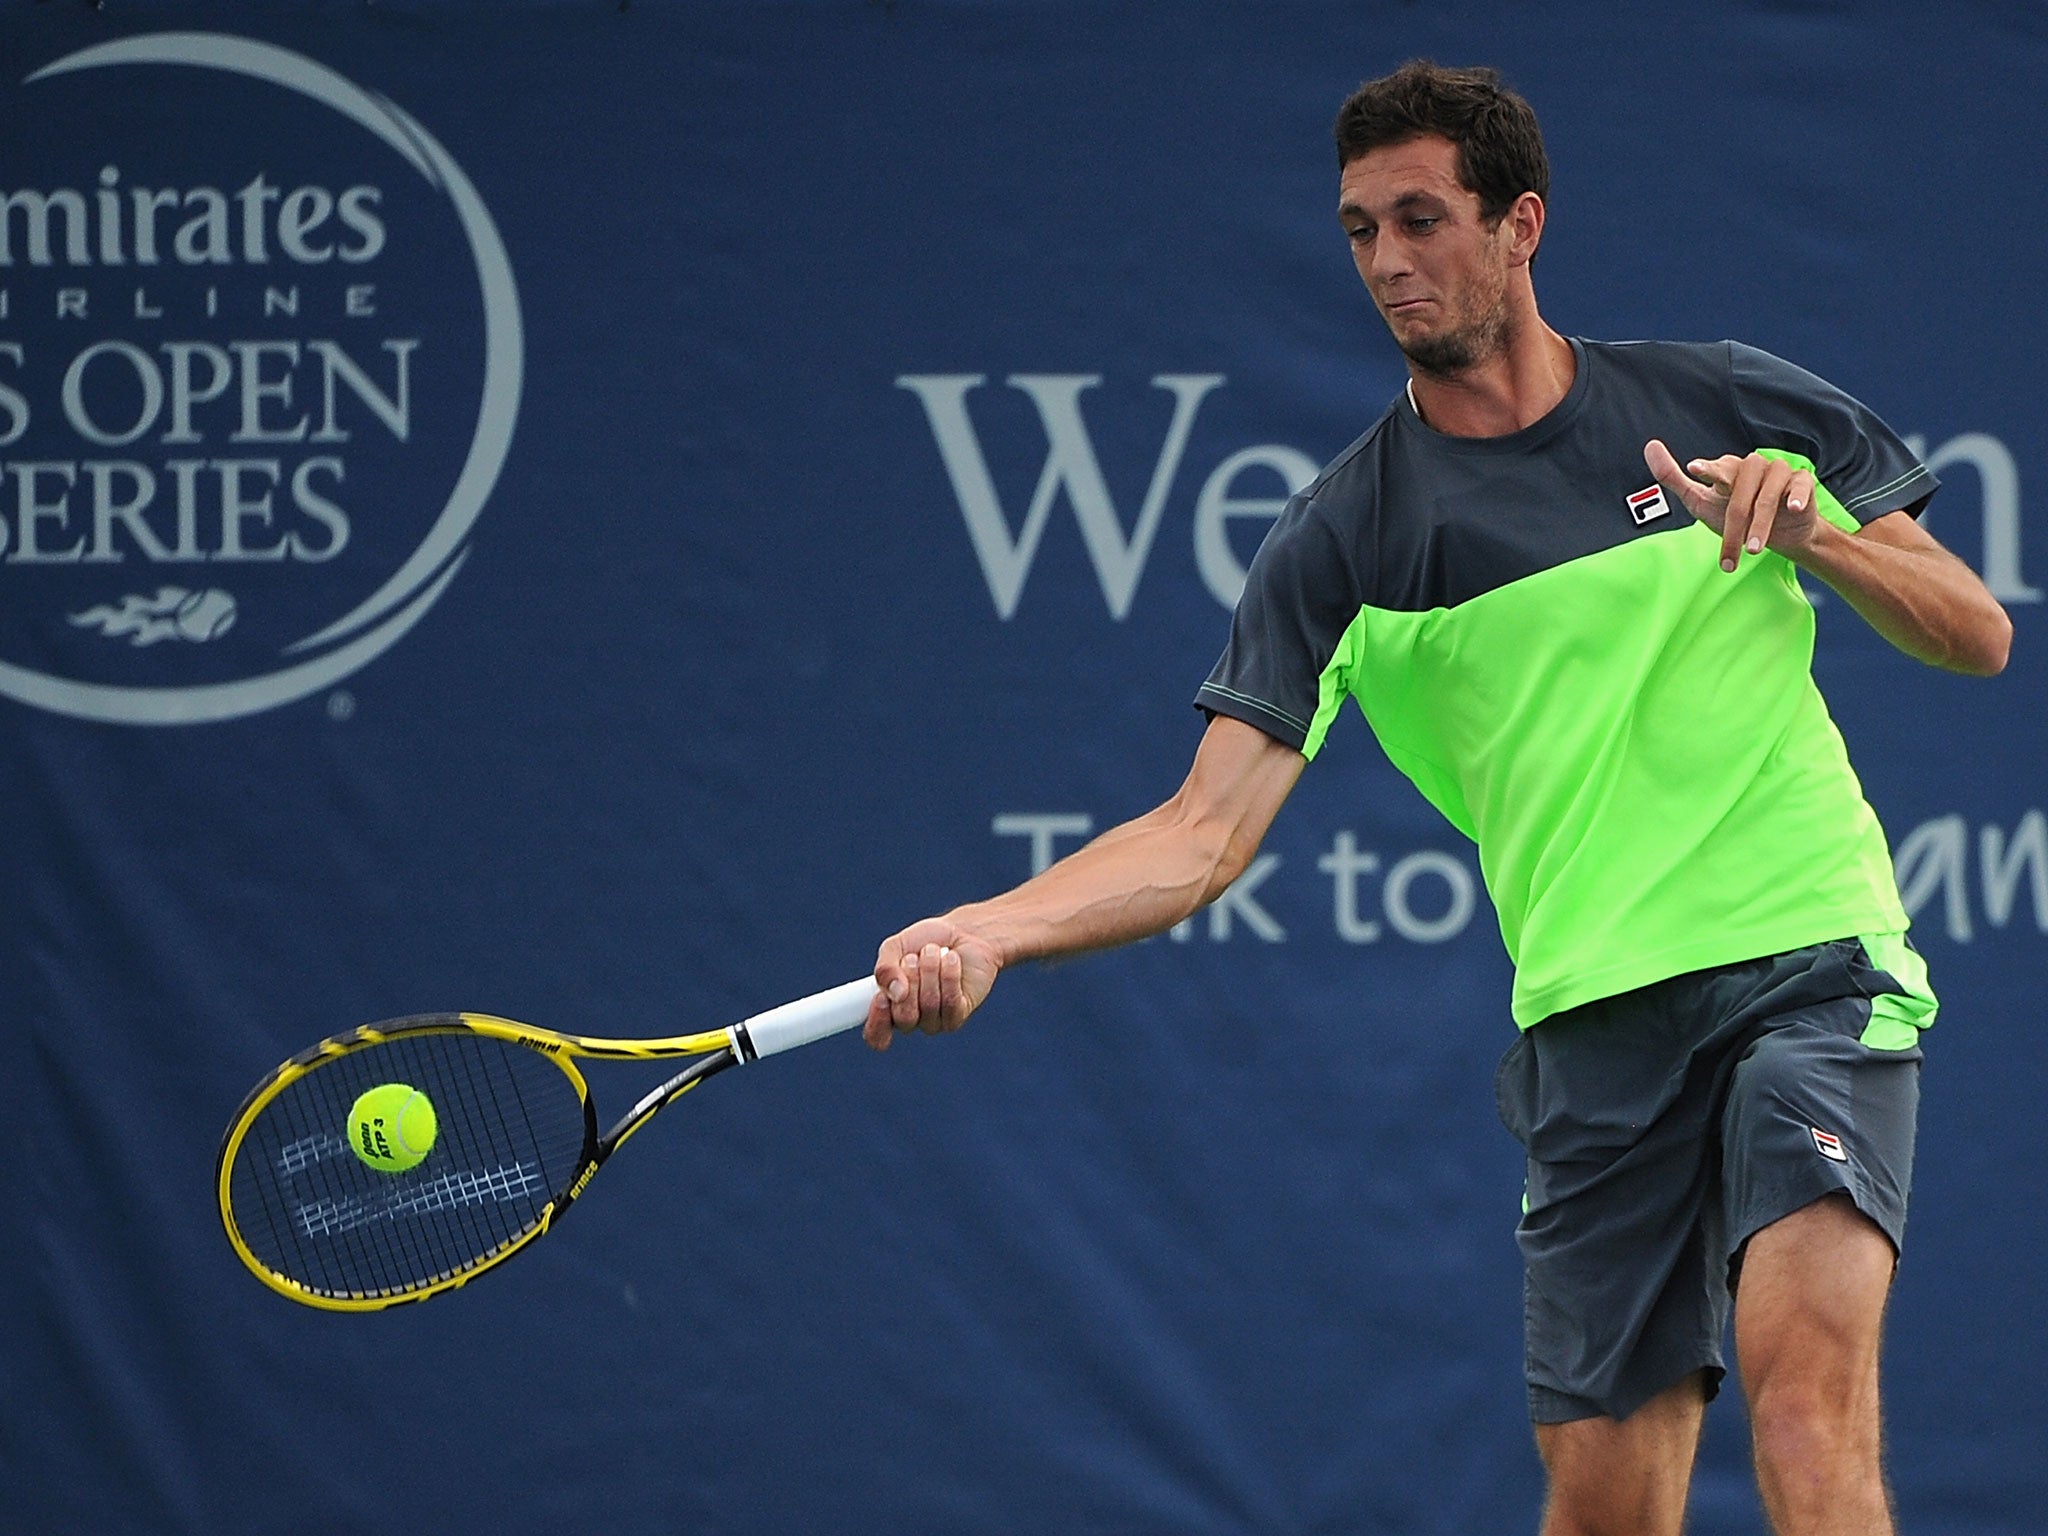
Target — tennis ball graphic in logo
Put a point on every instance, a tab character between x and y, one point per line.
392	1127
206	615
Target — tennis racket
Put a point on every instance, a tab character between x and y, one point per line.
516	1143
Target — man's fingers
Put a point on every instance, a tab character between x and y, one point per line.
1773	493
1719	474
1799	495
930	980
889	987
1761	525
880	1028
927	981
952	998
1697	492
1664	468
1751	478
924	991
1748	499
910	1006
889	978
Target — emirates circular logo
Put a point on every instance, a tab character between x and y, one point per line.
260	361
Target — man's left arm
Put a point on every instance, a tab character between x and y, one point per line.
1912	591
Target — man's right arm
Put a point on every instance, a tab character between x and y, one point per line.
1135	880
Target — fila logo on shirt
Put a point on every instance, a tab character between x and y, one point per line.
1648	504
1829	1147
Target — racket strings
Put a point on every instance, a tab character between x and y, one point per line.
512	1134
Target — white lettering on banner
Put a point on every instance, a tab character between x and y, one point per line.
234	500
1221	570
251	423
1998	482
153	315
144	302
1934	860
2003	863
12	401
1072	466
1428	930
1344	863
265	371
104	230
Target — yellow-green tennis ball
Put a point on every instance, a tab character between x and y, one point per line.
392	1126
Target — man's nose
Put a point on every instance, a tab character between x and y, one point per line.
1390	260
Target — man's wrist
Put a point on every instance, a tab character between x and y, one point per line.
977	922
1822	548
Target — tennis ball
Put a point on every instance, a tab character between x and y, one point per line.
392	1126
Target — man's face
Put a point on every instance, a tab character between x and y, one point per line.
1437	272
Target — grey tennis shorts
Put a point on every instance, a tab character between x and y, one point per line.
1666	1125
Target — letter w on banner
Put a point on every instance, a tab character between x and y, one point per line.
1070	463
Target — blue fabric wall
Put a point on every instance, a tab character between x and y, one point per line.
480	533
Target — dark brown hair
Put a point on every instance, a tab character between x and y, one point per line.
1500	148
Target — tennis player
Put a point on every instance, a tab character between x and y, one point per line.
1559	577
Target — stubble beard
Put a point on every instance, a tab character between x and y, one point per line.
1455	352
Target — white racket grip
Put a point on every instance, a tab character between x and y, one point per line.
807	1019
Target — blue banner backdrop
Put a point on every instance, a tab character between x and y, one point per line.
599	513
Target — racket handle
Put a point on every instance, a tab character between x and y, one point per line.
806	1019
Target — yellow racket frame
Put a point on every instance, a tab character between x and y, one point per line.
558	1048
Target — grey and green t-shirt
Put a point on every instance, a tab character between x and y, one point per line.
1549	648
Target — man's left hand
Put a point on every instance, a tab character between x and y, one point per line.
1754	503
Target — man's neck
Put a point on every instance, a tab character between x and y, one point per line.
1513	389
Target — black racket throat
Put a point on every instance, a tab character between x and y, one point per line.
598	1148
658	1098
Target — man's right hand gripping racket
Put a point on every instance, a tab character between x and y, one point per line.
403	1159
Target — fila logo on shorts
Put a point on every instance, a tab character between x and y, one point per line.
1828	1146
1648	504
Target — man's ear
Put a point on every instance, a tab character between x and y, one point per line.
1524	222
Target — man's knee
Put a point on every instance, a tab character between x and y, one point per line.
1796	1415
1626	1476
1819	1450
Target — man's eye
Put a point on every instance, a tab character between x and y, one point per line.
1426	222
1361	233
